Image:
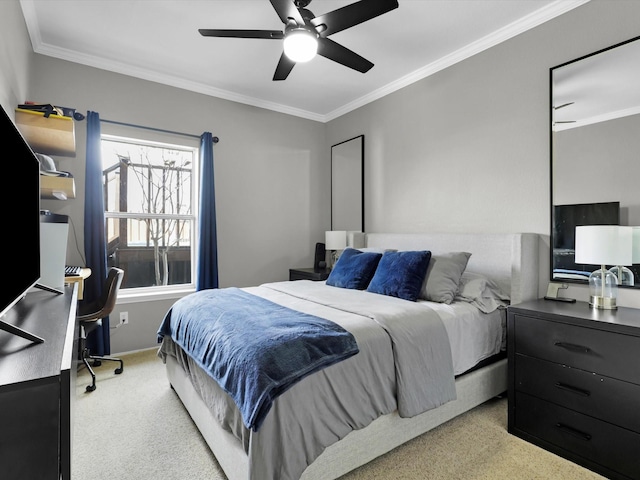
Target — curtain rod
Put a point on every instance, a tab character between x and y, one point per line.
215	139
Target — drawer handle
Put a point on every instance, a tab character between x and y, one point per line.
569	388
573	347
573	431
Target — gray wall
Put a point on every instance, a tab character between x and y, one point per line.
15	56
269	167
466	149
271	175
603	160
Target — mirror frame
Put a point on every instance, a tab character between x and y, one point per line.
625	218
351	150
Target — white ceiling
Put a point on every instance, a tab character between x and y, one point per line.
158	40
600	87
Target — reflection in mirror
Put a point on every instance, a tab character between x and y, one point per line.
565	220
595	147
347	185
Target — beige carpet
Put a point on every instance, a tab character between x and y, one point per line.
133	426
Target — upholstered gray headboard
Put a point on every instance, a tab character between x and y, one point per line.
510	259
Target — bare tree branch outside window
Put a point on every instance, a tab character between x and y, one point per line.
157	185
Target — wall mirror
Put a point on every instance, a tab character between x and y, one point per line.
595	150
347	185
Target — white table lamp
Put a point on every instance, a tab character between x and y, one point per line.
335	240
604	245
625	275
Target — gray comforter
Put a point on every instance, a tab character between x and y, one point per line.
404	364
253	348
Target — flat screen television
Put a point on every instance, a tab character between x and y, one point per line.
20	238
565	220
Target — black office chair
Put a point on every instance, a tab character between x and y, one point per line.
90	316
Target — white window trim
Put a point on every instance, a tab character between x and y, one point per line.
162	292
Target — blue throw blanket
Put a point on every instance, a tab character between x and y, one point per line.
255	349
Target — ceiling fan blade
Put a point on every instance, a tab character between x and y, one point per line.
336	52
269	34
286	10
563	105
351	15
285	65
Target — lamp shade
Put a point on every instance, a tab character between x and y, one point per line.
604	245
335	239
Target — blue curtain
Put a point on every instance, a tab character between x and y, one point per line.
207	267
94	233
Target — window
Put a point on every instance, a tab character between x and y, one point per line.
150	211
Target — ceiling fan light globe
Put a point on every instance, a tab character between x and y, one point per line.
300	45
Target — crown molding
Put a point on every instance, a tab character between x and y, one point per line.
532	20
528	22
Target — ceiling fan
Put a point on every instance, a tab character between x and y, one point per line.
304	30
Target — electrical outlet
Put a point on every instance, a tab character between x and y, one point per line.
124	318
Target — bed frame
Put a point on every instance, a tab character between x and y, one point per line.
509	259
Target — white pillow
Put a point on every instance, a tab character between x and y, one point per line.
482	292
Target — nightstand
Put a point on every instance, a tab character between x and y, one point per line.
315	274
574	383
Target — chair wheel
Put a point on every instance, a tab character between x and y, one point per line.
118	371
97	363
91	388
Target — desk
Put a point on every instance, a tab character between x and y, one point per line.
37	387
79	279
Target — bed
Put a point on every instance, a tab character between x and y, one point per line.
347	413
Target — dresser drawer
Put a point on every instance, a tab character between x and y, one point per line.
595	441
603	397
606	353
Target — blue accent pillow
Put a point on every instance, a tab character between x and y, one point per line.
354	269
401	274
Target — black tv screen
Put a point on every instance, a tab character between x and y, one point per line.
20	238
565	220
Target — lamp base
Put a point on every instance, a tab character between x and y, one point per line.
603	303
334	259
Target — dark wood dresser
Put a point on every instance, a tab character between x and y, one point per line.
37	388
574	383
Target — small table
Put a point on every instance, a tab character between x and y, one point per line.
315	274
79	279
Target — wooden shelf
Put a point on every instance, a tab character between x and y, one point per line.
52	135
61	188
